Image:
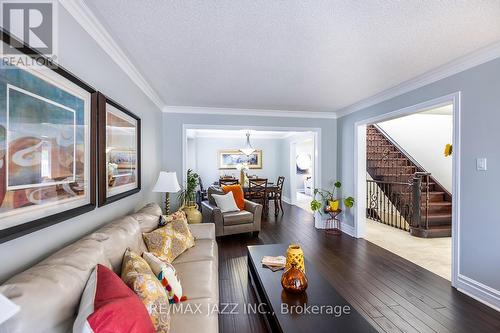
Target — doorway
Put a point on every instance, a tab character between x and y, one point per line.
404	218
275	162
302	170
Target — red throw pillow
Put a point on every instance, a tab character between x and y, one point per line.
108	305
238	195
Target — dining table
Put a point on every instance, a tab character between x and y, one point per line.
271	188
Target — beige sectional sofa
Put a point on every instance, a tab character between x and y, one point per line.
49	292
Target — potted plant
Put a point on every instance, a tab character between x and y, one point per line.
323	198
188	197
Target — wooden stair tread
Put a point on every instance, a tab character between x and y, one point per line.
439	203
439	215
387	163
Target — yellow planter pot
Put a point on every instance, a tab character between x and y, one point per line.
334	204
193	214
295	255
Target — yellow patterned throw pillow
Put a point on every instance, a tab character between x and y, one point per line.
178	215
137	274
168	242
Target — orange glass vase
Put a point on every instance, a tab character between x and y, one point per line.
294	280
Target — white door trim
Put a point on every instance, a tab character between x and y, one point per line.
293	172
360	169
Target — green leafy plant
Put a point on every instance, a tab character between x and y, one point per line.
349	202
188	194
322	197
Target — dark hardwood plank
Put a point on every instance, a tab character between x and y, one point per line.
393	294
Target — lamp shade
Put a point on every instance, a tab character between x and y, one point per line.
7	309
167	183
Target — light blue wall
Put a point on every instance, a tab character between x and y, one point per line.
81	55
173	124
207	158
480	137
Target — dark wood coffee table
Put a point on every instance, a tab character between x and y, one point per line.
319	309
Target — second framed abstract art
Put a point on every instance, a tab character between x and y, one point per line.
119	151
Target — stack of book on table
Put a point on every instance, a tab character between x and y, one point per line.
274	263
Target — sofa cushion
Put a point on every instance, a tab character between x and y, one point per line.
151	208
49	292
239	196
108	305
235	218
185	319
147	222
213	190
168	242
203	249
137	274
226	202
202	230
118	236
167	275
178	215
199	279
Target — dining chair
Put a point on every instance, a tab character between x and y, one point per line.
277	196
228	181
257	192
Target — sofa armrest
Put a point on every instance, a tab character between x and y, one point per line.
203	230
213	214
256	210
252	207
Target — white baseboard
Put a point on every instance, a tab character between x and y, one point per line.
480	292
319	223
348	229
287	200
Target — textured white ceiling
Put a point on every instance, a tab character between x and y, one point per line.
292	55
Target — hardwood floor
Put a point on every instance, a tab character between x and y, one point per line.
393	294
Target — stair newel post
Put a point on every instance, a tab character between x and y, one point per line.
416	201
427	178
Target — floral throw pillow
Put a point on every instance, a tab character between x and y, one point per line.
167	275
170	241
138	276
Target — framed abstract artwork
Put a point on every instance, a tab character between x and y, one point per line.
229	159
119	151
47	146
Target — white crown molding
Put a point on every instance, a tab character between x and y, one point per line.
248	112
239	135
84	16
461	64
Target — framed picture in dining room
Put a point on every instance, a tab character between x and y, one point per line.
47	144
229	159
119	151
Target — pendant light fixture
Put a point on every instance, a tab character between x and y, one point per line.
248	150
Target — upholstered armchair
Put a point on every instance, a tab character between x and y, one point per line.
247	220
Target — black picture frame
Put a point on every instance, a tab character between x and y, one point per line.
102	102
41	223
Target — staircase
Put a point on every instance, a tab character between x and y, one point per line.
399	179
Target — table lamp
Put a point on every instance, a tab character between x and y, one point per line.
7	310
167	183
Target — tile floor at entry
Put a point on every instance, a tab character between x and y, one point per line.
433	254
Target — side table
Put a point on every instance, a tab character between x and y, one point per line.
332	225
